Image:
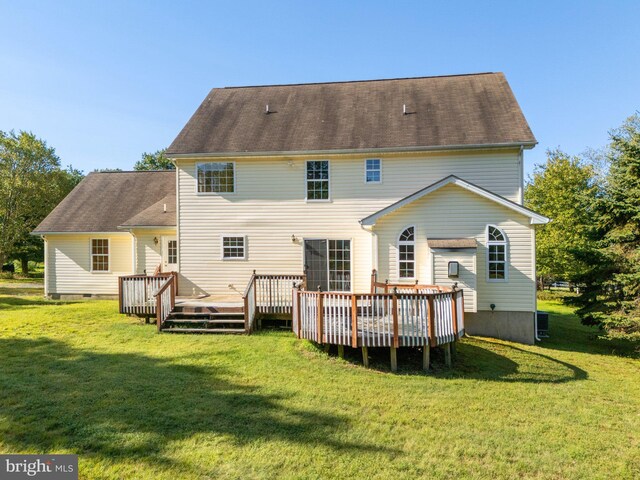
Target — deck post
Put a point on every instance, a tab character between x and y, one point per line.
341	351
426	354
394	360
299	332
354	321
447	355
374	279
454	349
158	315
454	311
431	322
365	357
120	281
320	316
394	306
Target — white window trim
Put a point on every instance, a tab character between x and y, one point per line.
506	254
91	255
365	171
306	182
233	259
218	194
415	253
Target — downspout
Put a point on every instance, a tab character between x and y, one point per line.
535	285
46	265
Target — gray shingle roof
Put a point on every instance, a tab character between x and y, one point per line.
105	200
461	110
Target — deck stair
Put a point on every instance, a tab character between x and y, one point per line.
201	319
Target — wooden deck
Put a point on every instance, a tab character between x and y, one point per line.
417	316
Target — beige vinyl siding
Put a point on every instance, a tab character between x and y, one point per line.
453	212
467	276
148	253
268	206
68	264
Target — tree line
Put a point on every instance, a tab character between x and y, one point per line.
32	183
593	240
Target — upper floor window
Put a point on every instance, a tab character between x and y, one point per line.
407	253
216	177
99	254
317	180
373	170
496	255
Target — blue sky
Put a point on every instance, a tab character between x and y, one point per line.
104	81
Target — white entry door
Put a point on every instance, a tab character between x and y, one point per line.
169	254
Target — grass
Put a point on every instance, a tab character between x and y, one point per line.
77	377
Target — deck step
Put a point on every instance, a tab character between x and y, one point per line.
203	330
207	314
204	320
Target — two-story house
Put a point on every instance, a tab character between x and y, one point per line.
420	179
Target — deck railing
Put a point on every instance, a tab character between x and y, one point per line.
416	287
273	292
165	298
137	293
269	294
249	299
379	319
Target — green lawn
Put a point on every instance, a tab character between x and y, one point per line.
77	377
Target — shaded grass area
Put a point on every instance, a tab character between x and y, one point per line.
78	377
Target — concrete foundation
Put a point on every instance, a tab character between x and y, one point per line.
80	296
515	326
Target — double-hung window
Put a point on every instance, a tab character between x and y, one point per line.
407	253
216	177
496	254
99	254
234	247
373	170
317	180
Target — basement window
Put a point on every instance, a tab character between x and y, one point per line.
99	254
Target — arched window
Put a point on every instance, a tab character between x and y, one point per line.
497	254
407	253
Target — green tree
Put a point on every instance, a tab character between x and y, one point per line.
613	301
563	189
154	161
29	247
31	185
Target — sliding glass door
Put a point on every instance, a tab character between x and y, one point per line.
328	264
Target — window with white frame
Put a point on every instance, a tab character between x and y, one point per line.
216	177
373	170
407	253
496	254
339	265
317	180
99	254
234	247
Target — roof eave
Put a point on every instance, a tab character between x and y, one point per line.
442	148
